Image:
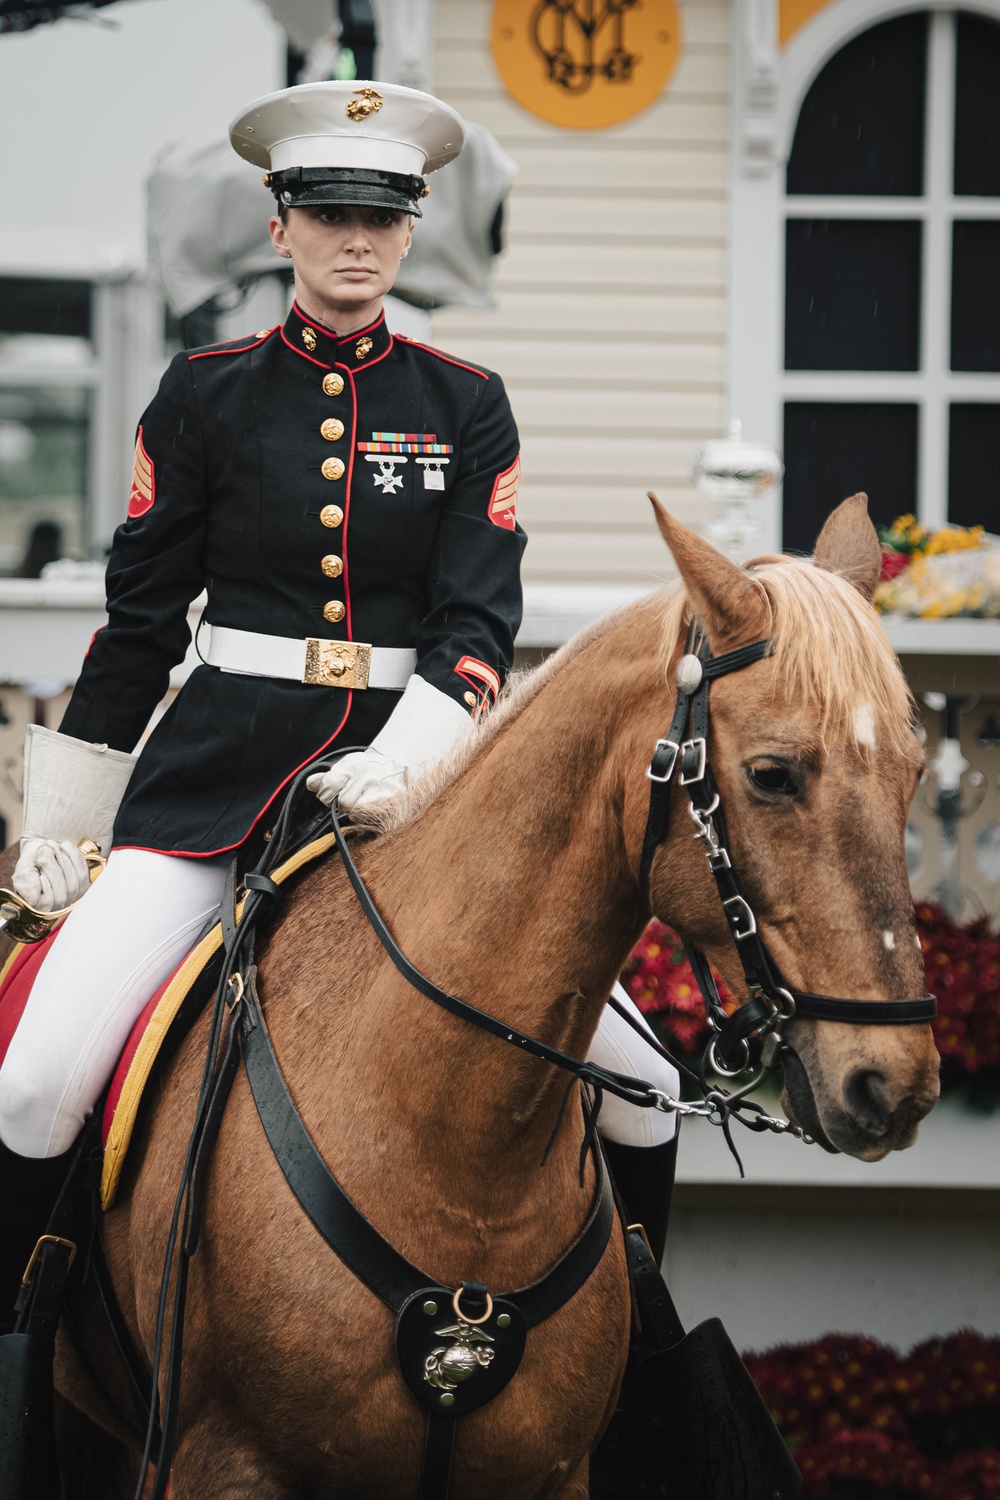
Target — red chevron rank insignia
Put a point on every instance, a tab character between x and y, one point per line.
143	491
503	501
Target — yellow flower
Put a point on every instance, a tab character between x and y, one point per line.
955	539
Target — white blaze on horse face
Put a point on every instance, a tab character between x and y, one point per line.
889	939
864	725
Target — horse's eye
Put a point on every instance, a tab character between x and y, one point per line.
774	779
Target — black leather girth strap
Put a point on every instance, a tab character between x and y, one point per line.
437	1458
344	1227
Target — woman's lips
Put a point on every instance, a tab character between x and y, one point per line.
355	273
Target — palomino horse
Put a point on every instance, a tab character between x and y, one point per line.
511	879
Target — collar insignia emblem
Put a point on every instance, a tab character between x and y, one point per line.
360	109
364	348
309	339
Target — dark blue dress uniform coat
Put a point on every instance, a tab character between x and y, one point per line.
281	473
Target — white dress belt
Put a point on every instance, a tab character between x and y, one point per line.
346	664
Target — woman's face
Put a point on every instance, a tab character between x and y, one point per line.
345	257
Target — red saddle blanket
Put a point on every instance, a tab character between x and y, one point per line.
164	1021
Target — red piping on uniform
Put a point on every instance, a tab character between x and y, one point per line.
345	338
303	353
485	674
486	687
211	853
428	349
243	349
338	338
347	497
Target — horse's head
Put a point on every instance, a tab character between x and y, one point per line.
816	763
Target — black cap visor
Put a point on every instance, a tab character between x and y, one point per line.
313	187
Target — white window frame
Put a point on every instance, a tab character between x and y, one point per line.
770	87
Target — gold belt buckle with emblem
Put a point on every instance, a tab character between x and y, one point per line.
343	664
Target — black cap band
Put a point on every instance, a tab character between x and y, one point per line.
303	187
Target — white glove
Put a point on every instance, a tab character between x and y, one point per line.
362	778
423	728
49	874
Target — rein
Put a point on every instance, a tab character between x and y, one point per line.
752	1035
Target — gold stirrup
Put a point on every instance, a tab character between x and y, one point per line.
25	923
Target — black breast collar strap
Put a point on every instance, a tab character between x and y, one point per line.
752	1033
355	1239
495	1324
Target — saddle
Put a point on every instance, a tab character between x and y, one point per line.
164	1022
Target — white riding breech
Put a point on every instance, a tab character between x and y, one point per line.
618	1047
129	932
112	953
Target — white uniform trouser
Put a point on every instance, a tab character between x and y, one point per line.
130	931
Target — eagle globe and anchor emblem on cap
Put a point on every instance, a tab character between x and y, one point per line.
369	103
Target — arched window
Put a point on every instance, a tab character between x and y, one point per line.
889	351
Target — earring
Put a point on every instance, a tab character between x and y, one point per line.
404	254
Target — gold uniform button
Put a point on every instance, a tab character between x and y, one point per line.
331	515
332	565
470	699
334	611
333	384
332	429
332	468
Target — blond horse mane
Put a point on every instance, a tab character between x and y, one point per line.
831	653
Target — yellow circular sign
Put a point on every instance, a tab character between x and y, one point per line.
586	64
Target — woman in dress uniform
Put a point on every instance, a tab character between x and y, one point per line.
347	497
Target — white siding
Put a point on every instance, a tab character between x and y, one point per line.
610	329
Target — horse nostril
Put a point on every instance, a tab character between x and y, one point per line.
864	1094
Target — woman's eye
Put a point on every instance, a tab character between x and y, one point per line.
774	779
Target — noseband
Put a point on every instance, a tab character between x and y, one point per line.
752	1035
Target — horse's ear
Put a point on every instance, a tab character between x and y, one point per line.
723	597
848	545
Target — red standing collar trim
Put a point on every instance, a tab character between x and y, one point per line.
357	351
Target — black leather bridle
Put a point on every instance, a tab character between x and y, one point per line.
752	1035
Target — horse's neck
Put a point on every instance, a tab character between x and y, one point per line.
514	891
